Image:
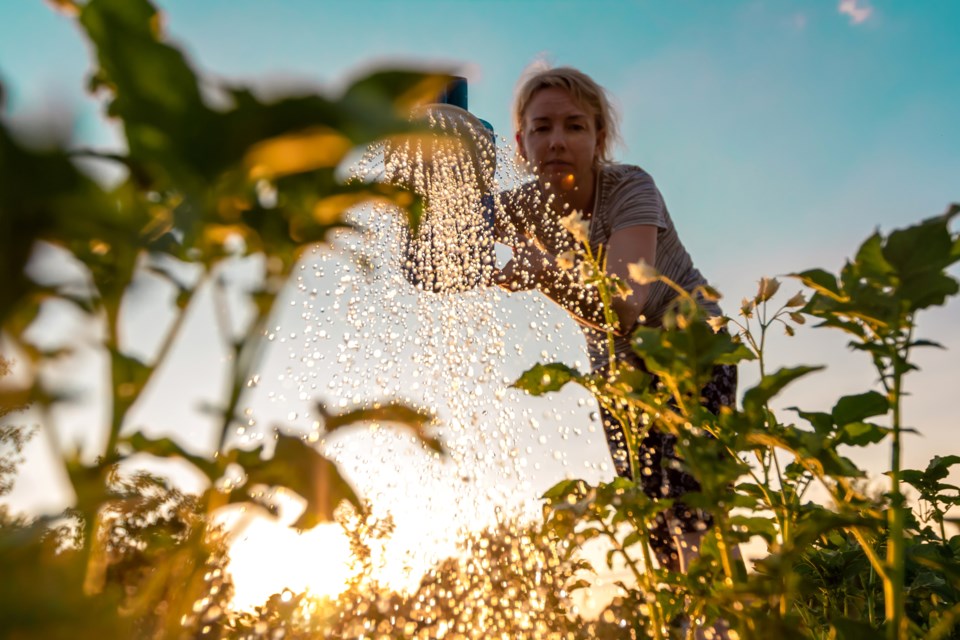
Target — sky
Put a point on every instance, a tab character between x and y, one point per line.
781	133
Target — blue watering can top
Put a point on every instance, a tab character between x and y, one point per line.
456	93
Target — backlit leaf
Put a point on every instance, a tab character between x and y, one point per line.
167	448
393	412
859	434
858	407
297	466
771	384
823	282
544	378
306	150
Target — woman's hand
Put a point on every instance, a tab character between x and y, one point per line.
526	269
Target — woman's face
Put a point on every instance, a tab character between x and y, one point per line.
560	140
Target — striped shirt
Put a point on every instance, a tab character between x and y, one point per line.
626	196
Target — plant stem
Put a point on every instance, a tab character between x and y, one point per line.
642	578
893	585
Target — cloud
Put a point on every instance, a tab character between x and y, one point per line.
858	10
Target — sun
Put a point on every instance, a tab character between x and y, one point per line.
269	557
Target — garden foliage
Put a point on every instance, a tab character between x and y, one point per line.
861	566
207	182
203	185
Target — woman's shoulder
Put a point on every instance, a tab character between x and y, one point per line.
625	183
625	175
516	205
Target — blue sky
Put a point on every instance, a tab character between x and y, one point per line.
781	132
780	115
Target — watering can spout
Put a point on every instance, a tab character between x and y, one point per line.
454	172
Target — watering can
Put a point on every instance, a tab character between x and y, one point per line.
452	168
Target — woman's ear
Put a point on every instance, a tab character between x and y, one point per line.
520	147
601	145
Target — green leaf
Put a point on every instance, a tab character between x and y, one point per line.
401	89
41	194
746	526
939	467
156	92
870	261
851	629
921	254
299	467
925	581
544	378
770	385
565	488
858	407
414	419
823	282
167	448
822	422
926	343
129	375
920	248
634	537
859	434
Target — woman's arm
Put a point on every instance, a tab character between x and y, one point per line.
625	247
534	267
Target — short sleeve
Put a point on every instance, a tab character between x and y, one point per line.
635	200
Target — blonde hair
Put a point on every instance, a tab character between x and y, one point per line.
583	89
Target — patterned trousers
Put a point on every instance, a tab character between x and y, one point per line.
661	475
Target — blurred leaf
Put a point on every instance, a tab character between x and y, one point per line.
402	89
849	629
297	466
156	92
747	526
545	378
822	422
939	467
927	343
564	488
167	448
41	194
770	385
823	282
858	407
416	420
306	150
859	434
870	259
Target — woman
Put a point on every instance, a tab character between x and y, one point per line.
565	127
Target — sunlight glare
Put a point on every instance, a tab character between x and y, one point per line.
269	557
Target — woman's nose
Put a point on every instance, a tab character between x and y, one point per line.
557	140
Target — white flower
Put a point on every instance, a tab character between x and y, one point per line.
566	259
577	226
717	322
587	271
768	288
620	288
797	300
642	273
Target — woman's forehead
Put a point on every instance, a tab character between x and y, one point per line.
552	102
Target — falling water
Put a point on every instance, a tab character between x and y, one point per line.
389	314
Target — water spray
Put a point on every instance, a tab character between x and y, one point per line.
452	167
